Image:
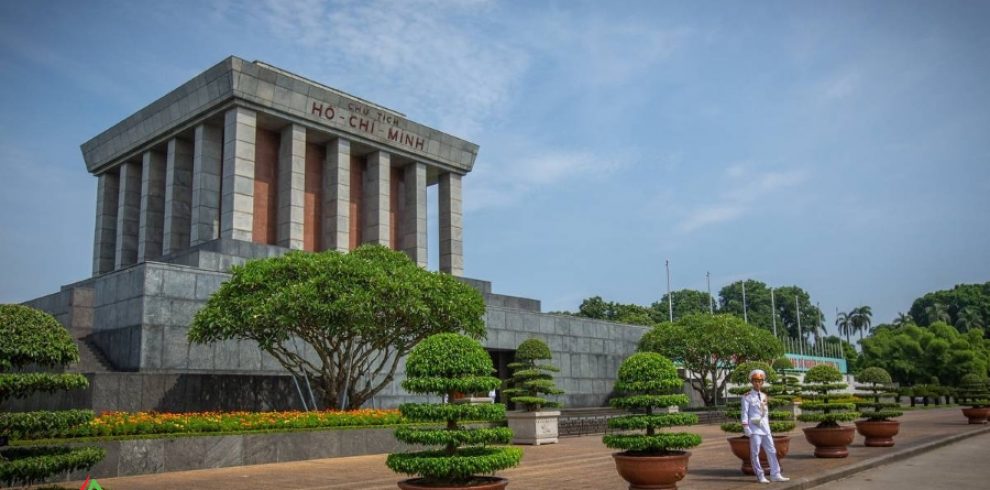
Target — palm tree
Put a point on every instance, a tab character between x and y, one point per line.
861	319
969	318
937	312
903	319
844	322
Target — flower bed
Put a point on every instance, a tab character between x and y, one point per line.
112	424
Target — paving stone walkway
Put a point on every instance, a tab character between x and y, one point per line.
583	463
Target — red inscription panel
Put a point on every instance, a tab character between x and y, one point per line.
313	198
266	187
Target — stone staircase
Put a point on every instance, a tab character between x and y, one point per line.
91	360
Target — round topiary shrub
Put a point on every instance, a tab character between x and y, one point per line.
781	421
648	381
876	384
819	384
531	379
29	337
973	391
443	364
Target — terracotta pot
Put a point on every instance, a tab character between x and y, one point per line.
740	447
652	472
485	483
830	442
977	415
878	433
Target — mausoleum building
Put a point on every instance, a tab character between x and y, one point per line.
245	161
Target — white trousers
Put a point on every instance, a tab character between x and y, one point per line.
755	442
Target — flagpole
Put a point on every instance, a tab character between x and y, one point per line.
773	312
745	316
797	309
711	300
670	299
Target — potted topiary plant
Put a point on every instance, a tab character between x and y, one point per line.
878	429
647	382
973	393
781	420
441	365
829	438
530	381
29	337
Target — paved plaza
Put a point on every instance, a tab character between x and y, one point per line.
584	463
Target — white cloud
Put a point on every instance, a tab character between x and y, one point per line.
422	56
499	184
743	188
841	86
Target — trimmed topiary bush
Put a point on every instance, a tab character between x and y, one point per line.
781	421
973	391
876	385
29	337
648	381
531	379
441	365
820	406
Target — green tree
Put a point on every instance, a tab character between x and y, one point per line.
709	347
844	324
358	313
968	319
684	301
903	319
861	317
532	379
599	309
442	365
759	309
913	355
30	338
948	306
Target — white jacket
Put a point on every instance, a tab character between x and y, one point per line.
756	413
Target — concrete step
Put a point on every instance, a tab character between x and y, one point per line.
91	359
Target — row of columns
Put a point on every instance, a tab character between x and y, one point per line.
198	191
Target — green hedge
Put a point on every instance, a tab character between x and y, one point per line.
467	462
28	465
42	424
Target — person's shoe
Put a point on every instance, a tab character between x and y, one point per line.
780	478
762	480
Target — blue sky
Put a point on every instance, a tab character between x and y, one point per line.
840	146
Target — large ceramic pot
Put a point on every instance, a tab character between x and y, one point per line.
878	433
977	415
830	442
740	447
652	472
533	428
483	483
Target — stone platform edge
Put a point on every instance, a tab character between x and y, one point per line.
130	457
879	460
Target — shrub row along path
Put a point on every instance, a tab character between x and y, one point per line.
585	463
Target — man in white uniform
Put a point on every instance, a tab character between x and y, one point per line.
756	425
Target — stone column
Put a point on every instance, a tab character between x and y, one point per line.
104	242
128	215
178	195
337	196
413	227
237	187
451	225
151	224
291	186
376	197
207	147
